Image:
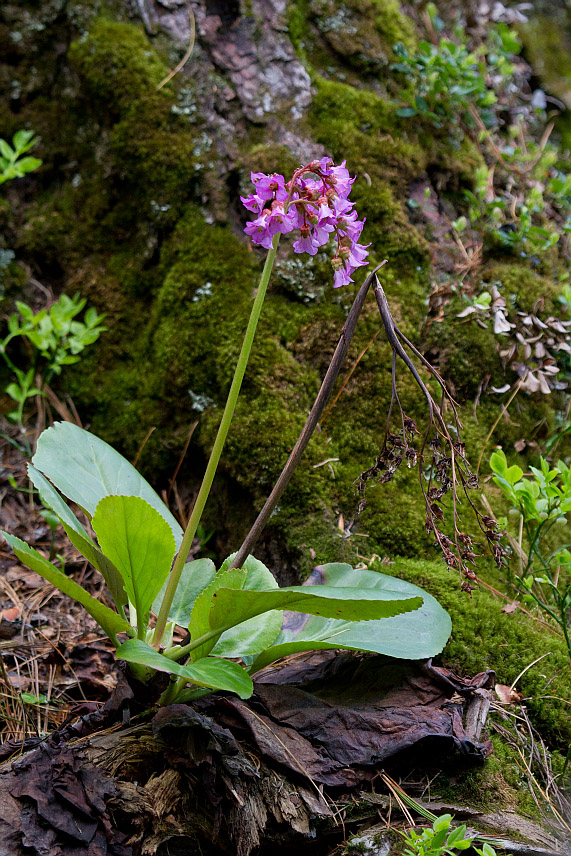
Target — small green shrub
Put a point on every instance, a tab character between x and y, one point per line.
53	338
446	79
12	164
543	499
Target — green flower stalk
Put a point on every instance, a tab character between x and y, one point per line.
216	452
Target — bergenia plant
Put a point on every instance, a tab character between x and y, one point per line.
233	615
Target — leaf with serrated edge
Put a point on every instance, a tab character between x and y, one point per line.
78	536
85	469
139	542
253	636
209	672
109	621
411	636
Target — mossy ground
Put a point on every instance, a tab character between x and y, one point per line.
119	212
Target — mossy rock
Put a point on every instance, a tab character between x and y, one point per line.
478	625
363	32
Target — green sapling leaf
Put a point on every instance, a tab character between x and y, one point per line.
78	536
250	638
22	141
411	635
195	577
6	150
349	604
199	620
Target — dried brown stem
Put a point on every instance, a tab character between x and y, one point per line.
311	422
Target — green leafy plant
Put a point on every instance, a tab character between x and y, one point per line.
233	613
519	201
441	838
510	220
52	338
447	78
543	499
437	839
12	162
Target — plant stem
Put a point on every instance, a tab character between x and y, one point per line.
310	425
176	653
214	459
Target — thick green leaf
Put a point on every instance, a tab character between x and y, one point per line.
139	542
78	536
85	469
199	624
230	607
413	635
253	636
210	672
109	621
195	577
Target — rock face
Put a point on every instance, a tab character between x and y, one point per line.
137	206
253	52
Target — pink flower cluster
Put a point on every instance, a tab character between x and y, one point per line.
315	202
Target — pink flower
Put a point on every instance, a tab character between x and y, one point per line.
259	231
269	186
279	220
305	243
321	233
337	177
349	225
341	277
253	203
316	203
358	255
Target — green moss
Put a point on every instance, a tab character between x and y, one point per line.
547	45
264	157
523	287
297	14
483	637
464	352
498	783
118	65
362	32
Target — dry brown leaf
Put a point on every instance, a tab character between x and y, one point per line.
27	578
510	608
507	695
10	614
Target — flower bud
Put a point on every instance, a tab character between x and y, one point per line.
336	263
